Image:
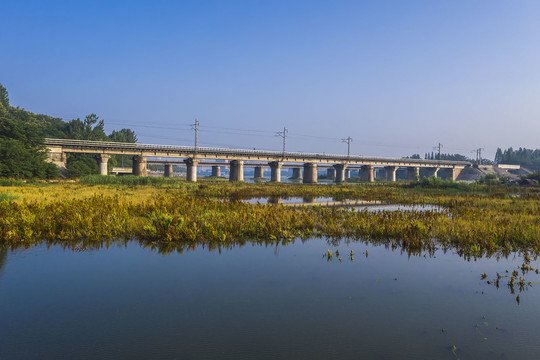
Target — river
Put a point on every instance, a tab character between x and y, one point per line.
262	302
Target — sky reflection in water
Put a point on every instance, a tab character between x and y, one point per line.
261	302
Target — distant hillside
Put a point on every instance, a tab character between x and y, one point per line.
22	154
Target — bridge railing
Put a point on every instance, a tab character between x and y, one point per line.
243	152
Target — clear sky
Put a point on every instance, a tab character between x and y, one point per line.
397	76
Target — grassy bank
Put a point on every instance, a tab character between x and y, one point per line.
172	215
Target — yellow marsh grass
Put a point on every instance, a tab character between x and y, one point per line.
170	217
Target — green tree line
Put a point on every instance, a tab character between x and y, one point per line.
527	158
23	155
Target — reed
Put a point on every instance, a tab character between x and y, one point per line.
178	215
8	197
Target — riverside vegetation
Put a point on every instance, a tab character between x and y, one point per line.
171	215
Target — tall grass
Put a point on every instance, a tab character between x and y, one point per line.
8	197
172	219
129	180
11	182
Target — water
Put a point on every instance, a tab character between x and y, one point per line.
289	200
370	205
261	302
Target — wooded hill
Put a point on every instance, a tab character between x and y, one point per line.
22	154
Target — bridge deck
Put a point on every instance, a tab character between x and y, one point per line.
210	153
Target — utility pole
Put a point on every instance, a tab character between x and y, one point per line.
475	150
479	155
283	134
348	141
439	146
195	127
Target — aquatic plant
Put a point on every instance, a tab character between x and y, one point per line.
171	216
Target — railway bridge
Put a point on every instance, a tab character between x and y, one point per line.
304	165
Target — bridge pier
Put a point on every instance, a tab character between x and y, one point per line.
347	173
191	173
330	173
296	173
139	166
102	160
413	173
275	171
216	171
432	171
340	172
367	173
310	173
258	173
453	172
391	173
168	170
236	172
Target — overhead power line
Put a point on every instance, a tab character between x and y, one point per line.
283	134
236	129
195	127
438	147
348	141
151	124
478	155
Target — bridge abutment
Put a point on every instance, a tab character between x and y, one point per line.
236	172
58	158
139	166
310	173
275	171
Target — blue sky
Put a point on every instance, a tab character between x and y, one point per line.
397	76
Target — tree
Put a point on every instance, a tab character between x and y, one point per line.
91	128
4	99
525	157
498	156
126	136
22	153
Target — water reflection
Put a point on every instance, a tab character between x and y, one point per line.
369	205
134	303
3	259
